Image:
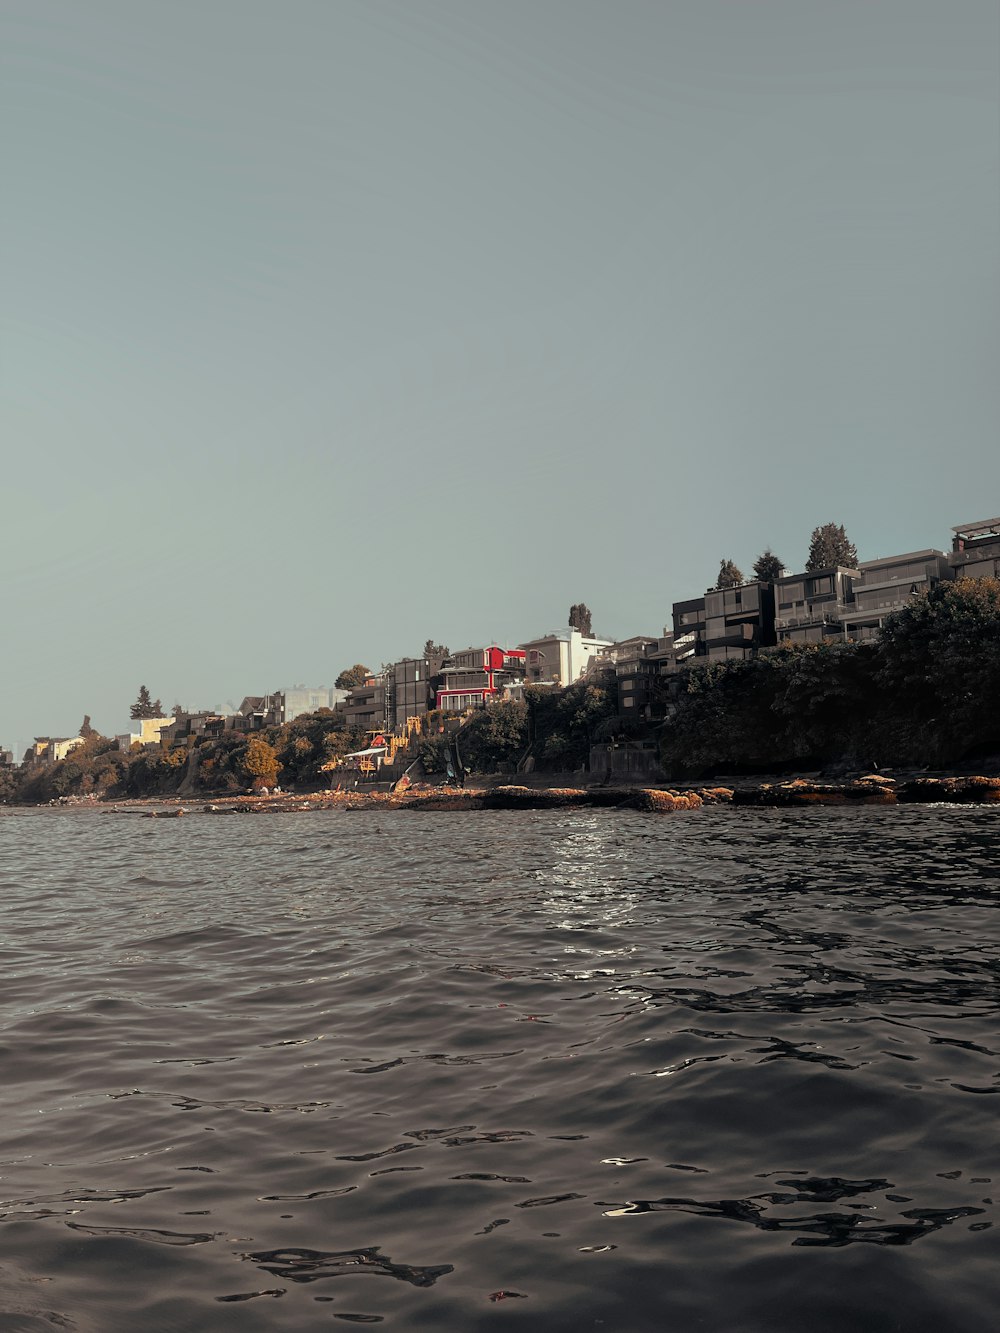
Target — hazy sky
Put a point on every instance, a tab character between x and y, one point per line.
331	325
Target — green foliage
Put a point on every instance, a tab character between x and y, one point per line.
730	575
495	736
351	676
144	706
580	618
86	730
924	693
435	651
768	566
828	546
562	723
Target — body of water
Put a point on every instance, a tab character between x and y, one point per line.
724	1070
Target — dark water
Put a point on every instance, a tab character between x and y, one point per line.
729	1070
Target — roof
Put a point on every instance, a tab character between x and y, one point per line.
986	527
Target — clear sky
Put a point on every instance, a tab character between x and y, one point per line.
332	325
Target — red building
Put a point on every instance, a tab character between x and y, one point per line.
477	676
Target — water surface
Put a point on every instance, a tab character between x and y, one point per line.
726	1070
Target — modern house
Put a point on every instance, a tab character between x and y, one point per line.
888	584
412	692
810	607
366	705
144	731
738	621
560	657
477	676
689	621
975	550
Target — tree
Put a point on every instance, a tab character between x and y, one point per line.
730	576
768	567
829	545
178	710
259	762
351	676
438	650
86	730
144	706
579	618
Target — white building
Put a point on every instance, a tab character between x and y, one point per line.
560	657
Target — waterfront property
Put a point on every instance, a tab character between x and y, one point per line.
478	676
811	607
561	656
975	552
886	585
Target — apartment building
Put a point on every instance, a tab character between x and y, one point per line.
738	621
975	550
810	607
888	584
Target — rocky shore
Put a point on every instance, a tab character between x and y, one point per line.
867	790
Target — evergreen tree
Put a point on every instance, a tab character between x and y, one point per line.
829	545
768	567
86	730
580	618
144	706
438	650
730	576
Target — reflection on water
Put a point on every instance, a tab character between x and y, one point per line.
573	1069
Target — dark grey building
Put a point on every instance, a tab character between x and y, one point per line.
888	584
811	607
975	550
738	621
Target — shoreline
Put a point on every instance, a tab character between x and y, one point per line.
869	789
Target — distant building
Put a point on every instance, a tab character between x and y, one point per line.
287	705
366	705
144	731
810	607
560	657
411	693
640	673
739	621
975	550
887	585
50	749
477	676
6	758
689	621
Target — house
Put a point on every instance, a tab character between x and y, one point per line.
739	621
810	607
477	676
186	727
640	673
888	584
411	689
689	622
975	550
366	705
144	731
50	749
560	657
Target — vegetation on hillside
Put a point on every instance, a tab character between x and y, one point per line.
924	693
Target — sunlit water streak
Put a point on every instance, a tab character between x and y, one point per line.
726	1070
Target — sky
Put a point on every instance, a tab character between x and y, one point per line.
329	326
